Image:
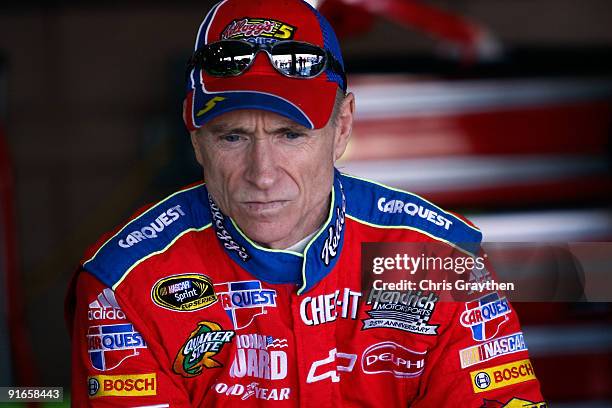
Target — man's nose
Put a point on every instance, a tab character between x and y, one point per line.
262	166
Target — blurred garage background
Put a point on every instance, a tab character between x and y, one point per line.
497	109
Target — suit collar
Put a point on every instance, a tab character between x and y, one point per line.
280	266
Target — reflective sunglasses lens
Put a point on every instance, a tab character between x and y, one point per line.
298	60
227	58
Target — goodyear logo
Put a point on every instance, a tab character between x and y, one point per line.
249	27
203	344
128	385
184	293
502	376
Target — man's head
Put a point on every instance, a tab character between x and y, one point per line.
295	36
267	141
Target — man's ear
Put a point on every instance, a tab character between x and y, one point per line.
195	139
344	125
195	142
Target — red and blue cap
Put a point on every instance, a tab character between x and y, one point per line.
308	102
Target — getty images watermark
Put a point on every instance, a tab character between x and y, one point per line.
461	265
534	272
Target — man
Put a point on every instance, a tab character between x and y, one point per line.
247	289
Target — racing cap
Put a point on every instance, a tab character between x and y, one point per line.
308	102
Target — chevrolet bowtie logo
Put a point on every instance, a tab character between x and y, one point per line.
210	105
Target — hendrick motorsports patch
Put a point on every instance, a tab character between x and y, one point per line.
407	311
184	293
203	344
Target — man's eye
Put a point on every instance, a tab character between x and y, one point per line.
230	138
293	135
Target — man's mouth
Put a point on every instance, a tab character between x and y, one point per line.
265	206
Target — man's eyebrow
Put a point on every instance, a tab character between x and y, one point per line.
226	129
221	128
288	128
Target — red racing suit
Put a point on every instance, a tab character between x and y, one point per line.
178	308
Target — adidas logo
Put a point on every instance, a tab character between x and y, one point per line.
105	307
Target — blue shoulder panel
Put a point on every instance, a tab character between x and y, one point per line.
386	207
150	233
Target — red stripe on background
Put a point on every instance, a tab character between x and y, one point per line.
430	20
578	128
594	188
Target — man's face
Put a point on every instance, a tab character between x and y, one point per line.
270	174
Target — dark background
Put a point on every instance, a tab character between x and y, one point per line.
91	98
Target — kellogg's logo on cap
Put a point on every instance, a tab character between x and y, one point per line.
257	27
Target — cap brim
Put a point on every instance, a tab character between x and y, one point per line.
308	102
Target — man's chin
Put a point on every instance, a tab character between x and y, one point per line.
268	234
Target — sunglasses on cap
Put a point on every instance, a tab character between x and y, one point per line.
293	59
